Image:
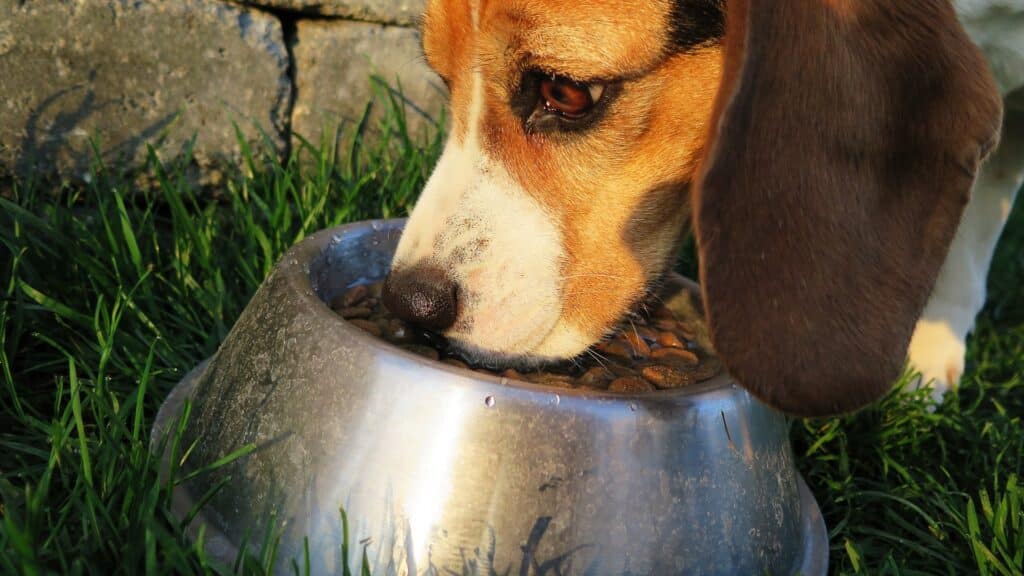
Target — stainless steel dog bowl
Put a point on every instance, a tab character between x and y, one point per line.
442	470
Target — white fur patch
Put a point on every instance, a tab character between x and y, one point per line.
504	250
564	341
937	351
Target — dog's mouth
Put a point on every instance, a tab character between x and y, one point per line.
478	357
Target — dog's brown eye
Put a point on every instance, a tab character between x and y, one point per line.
568	98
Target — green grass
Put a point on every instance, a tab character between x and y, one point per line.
108	294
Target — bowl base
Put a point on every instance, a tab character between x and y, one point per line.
220	548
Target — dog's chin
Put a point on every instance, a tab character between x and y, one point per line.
564	344
559	346
479	357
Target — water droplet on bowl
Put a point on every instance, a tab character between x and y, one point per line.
632	406
489	401
556	400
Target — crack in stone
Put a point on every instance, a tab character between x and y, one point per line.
289	20
255	24
289	30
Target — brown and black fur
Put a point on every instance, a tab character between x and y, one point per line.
823	151
847	137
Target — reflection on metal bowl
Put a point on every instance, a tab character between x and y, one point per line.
441	469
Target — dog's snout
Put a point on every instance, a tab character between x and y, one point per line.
424	296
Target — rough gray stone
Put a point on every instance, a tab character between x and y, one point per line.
334	63
133	72
404	12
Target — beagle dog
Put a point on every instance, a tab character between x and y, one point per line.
824	153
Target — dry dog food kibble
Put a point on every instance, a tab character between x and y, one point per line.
658	352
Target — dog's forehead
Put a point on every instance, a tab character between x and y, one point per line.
589	39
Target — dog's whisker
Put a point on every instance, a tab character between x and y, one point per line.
644	308
599	358
635	333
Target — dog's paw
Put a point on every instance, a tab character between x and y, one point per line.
937	352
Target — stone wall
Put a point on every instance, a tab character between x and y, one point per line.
128	73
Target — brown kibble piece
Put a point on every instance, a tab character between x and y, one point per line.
355	312
620	370
366	326
639	348
670	340
707	369
615	348
559	380
354	296
630	384
665	377
648	334
675	356
596	376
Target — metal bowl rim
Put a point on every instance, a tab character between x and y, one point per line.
313	245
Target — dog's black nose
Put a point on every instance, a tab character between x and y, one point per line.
424	296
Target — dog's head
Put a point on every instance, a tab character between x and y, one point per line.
826	147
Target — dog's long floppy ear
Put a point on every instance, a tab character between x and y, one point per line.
846	139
